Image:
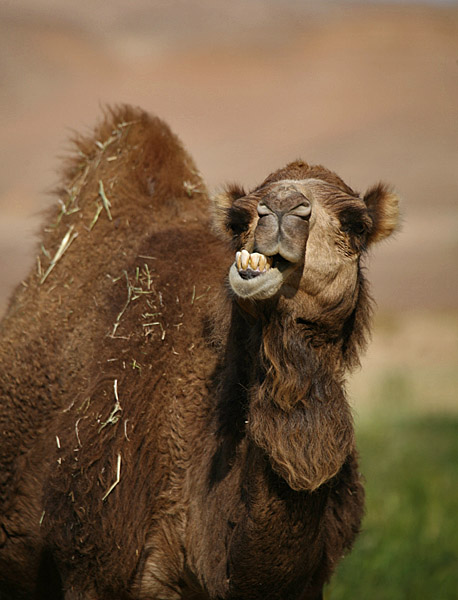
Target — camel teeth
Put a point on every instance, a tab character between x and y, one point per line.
245	259
254	260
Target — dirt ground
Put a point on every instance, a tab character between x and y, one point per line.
371	91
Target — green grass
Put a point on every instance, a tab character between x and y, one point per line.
408	548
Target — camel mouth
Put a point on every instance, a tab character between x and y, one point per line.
258	276
254	265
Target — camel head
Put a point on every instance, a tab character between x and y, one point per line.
299	236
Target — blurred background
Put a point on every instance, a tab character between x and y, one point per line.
370	90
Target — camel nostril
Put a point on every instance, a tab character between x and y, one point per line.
303	210
263	209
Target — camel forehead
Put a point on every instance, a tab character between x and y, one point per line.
311	184
312	188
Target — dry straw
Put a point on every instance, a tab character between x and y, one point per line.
117	480
63	247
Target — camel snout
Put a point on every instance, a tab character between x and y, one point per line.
283	225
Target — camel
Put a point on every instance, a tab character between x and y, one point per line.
174	422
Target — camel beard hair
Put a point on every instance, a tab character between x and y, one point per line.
299	414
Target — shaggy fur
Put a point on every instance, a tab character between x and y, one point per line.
160	438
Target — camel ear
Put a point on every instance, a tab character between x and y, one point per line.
231	218
383	207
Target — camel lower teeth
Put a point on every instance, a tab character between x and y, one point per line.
255	261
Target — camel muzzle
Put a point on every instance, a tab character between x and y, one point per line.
283	225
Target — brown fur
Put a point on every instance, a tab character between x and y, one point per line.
161	439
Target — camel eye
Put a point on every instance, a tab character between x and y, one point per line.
359	228
354	222
263	210
238	218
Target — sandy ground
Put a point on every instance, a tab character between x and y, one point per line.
370	91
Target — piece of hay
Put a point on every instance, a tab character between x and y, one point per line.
118	479
114	417
106	202
77	431
150	330
63	247
123	310
194	298
96	217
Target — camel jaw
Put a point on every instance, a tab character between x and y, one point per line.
258	277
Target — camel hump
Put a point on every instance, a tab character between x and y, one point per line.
131	163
